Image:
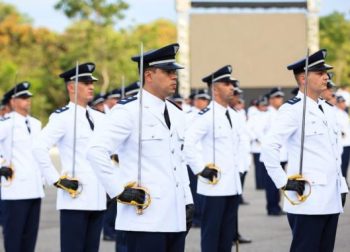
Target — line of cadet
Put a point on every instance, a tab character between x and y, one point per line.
190	159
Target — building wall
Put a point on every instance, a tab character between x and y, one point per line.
258	46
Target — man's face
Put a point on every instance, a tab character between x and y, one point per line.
341	105
200	103
223	91
110	102
327	94
99	107
276	101
235	99
21	105
85	91
161	82
262	108
317	81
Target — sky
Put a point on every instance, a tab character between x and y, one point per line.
43	13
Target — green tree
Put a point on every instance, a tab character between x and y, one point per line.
29	54
335	36
102	12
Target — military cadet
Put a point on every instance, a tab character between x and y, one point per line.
257	125
97	102
81	215
111	99
220	146
253	108
314	221
344	125
21	180
177	99
200	100
5	105
162	226
272	193
245	157
132	89
328	95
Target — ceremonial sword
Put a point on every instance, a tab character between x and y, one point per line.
302	198
213	165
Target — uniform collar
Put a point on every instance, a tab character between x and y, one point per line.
219	108
18	115
312	105
79	108
153	102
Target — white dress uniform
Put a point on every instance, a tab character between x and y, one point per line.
272	115
164	171
321	165
258	125
16	146
247	159
59	131
227	144
344	125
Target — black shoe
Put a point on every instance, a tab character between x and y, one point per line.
196	225
243	240
276	213
109	237
243	202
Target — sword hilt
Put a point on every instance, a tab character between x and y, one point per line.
300	198
140	207
9	179
216	179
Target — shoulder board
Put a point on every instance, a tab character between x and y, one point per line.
4	118
60	110
203	111
293	100
174	104
127	100
329	104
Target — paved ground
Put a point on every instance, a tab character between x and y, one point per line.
269	234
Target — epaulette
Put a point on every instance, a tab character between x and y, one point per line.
174	104
4	119
60	110
330	104
293	100
203	111
127	100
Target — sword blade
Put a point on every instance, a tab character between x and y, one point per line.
75	117
304	115
139	177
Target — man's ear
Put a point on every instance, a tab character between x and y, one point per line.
148	75
70	87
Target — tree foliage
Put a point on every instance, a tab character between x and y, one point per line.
335	37
39	55
102	12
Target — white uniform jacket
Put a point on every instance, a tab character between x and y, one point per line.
271	118
246	155
229	155
258	125
163	168
344	125
321	162
59	131
16	145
